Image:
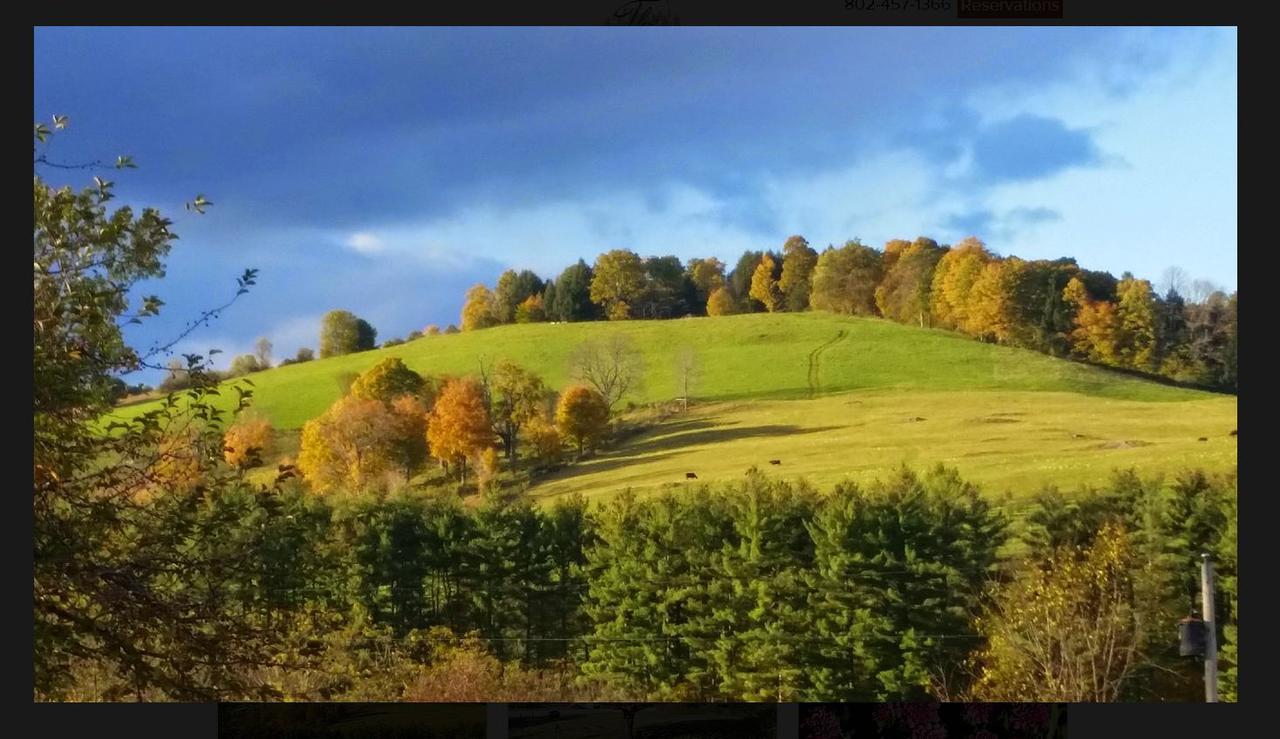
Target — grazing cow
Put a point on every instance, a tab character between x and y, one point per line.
690	476
1203	438
775	461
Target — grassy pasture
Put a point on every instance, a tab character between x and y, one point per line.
831	397
1005	441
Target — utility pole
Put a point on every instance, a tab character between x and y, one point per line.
1210	630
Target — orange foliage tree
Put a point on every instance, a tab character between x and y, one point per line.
459	425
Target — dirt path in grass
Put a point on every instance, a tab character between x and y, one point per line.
814	359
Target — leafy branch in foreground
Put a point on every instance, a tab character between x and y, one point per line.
127	570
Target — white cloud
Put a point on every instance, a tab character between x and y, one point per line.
364	242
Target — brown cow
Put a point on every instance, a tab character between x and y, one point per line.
690	476
775	461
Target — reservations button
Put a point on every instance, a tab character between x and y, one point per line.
1009	9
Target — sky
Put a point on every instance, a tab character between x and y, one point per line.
384	171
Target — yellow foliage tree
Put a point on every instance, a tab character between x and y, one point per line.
177	464
386	381
1097	326
721	303
1066	630
479	309
545	442
796	282
953	281
459	426
582	415
1136	319
354	442
486	464
616	280
247	442
764	287
707	275
992	305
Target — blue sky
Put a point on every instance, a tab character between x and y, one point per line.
385	170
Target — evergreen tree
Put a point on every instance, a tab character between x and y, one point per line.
899	571
573	295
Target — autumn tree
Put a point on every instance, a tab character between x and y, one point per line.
798	261
707	276
350	445
617	279
459	427
764	286
845	279
612	367
247	442
386	381
721	303
1136	323
953	280
903	295
582	415
480	309
342	332
992	306
409	415
516	397
1096	332
545	442
531	310
1066	629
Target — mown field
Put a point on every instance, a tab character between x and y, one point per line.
1005	441
829	396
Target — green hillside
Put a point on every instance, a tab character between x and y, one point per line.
830	397
756	356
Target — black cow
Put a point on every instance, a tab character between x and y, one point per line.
775	461
690	476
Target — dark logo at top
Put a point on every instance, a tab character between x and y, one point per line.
644	13
1009	9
